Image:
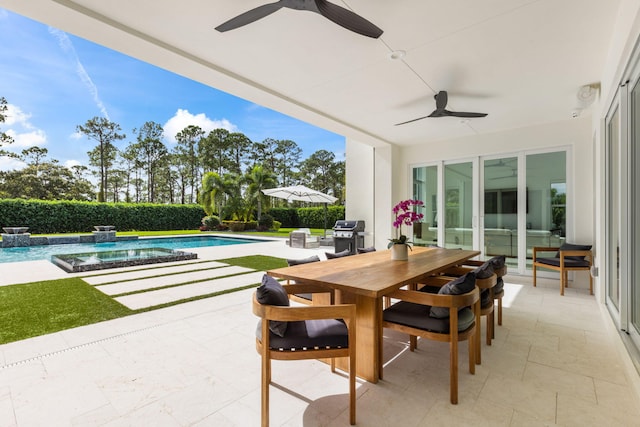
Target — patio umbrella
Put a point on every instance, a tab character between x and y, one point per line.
302	194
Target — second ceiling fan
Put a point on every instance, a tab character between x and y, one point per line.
338	14
441	111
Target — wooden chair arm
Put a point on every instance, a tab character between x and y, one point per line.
537	249
487	283
575	253
305	288
437	300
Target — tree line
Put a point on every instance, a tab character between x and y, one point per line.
221	170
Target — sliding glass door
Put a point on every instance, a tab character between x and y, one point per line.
517	198
458	205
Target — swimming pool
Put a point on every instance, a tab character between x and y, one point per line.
34	253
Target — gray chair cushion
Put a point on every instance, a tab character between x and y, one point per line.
459	286
484	271
417	316
498	261
571	247
309	334
568	261
311	259
330	255
499	287
366	250
271	292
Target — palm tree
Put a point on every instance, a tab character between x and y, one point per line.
212	190
259	179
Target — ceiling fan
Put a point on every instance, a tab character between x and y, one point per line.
338	14
441	111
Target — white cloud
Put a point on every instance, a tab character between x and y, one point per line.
184	118
27	139
22	131
76	135
15	115
71	163
10	164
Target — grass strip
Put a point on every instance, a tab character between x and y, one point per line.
38	308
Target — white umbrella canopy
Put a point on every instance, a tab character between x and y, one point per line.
303	194
300	193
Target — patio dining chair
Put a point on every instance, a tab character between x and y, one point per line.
569	257
451	315
486	281
305	298
499	265
303	332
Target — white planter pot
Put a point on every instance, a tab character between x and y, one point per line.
400	252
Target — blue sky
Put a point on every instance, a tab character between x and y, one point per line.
54	81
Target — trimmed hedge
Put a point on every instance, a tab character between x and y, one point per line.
307	217
64	216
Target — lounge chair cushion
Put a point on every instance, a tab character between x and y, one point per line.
311	259
309	334
459	286
571	247
271	292
417	316
345	252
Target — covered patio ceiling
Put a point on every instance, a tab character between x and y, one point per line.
521	61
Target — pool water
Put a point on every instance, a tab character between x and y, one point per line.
34	253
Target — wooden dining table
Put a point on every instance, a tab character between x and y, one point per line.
364	279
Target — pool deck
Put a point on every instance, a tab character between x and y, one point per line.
555	361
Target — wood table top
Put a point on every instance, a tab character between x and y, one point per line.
375	274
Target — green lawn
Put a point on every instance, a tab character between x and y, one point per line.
38	308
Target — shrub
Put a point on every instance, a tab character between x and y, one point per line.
251	225
211	222
70	216
266	221
236	225
276	225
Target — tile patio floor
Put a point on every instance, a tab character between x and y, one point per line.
555	361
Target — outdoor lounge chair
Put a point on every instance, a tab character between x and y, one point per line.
297	333
302	238
567	258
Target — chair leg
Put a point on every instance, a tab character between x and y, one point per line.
266	380
489	327
352	386
500	311
453	370
413	342
534	275
590	282
472	355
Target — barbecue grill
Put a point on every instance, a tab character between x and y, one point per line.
348	235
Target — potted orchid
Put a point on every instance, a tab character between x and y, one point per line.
404	215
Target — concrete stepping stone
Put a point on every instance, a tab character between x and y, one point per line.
174	279
163	296
131	275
